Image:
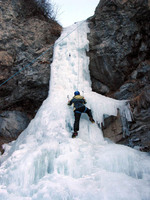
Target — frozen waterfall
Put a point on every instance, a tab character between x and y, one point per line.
45	163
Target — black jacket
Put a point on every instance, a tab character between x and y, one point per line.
78	101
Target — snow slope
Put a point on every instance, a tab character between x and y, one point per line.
45	163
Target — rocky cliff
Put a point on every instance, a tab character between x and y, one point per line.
119	64
25	33
120	61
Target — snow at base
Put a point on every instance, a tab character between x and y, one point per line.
45	163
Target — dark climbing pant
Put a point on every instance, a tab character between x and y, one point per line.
77	114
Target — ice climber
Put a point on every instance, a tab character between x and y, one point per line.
78	102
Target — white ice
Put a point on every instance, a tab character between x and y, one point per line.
45	163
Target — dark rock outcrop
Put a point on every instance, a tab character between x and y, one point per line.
12	123
112	128
25	33
120	59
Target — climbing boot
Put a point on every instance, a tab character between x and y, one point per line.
75	134
92	120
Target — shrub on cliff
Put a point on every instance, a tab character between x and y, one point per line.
47	7
41	8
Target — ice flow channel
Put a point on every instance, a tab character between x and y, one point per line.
45	163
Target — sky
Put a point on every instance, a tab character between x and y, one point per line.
70	11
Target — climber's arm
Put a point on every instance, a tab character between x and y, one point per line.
69	103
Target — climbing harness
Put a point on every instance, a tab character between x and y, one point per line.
81	112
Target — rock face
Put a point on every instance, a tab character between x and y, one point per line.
25	33
12	123
112	128
120	60
119	64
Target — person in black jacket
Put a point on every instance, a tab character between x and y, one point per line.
78	102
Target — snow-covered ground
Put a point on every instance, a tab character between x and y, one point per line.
45	163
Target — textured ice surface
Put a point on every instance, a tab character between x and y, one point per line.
45	163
